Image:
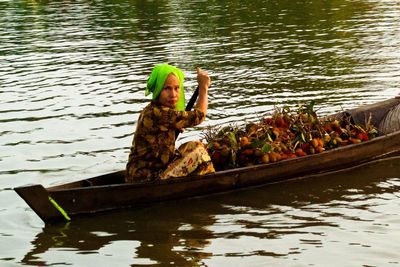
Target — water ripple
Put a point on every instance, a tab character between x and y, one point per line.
73	76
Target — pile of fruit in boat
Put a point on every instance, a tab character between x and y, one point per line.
283	135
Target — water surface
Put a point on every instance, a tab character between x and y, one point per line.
72	78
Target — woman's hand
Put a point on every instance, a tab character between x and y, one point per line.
203	79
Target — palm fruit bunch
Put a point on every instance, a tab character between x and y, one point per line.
342	131
284	134
223	146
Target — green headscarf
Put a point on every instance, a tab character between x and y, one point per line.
155	82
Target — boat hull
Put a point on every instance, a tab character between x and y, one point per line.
108	192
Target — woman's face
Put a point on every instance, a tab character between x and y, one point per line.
170	93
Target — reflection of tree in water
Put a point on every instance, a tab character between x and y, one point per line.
284	45
180	232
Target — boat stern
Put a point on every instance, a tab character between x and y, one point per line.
38	198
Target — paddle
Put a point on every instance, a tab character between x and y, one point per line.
189	107
192	100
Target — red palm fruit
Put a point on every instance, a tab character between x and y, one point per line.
334	142
339	140
258	153
216	156
268	121
265	158
305	146
286	118
244	141
216	145
320	142
354	140
284	156
300	152
314	142
335	125
319	149
279	122
328	128
248	152
272	157
327	138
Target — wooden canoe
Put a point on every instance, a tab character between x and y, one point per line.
108	192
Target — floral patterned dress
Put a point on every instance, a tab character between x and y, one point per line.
153	146
192	158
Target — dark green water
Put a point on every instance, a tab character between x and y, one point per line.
72	78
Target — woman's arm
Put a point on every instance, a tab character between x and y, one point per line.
204	81
167	118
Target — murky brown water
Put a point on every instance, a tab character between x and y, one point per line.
72	77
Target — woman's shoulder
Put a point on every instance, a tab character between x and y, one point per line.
158	112
150	108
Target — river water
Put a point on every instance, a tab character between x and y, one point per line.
72	78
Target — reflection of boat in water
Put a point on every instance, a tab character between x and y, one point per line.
158	231
108	192
146	236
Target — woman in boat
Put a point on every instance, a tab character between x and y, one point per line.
152	154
